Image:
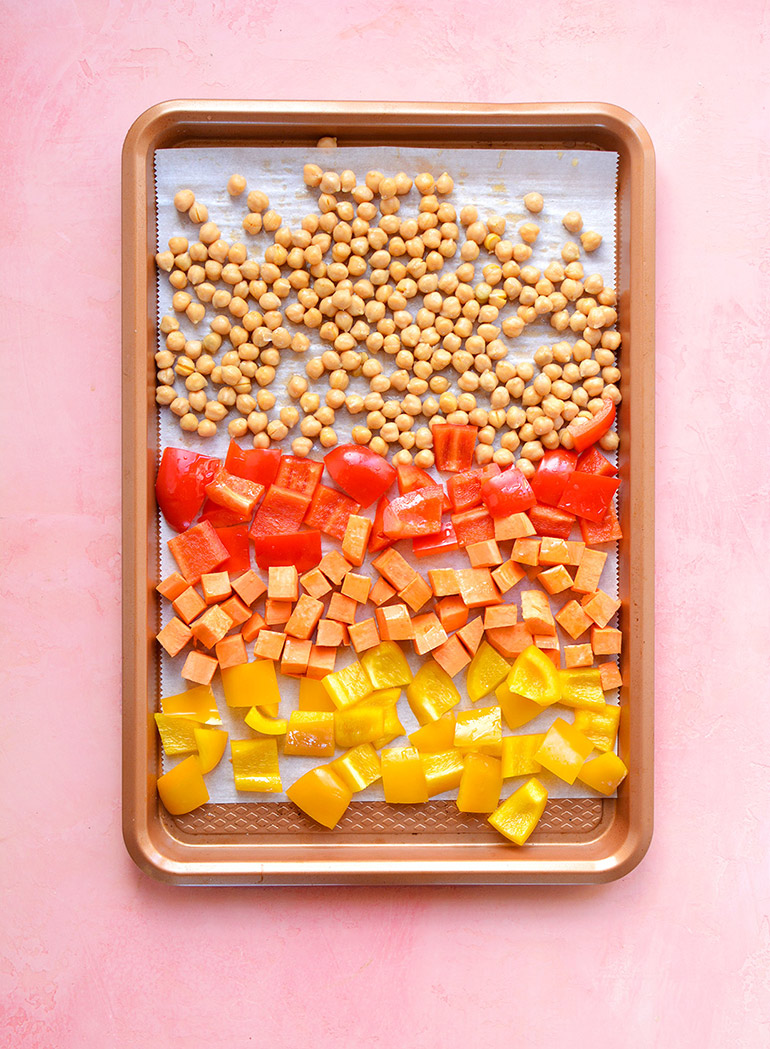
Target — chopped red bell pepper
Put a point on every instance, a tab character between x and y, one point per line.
551	521
180	486
234	493
551	475
593	462
411	477
281	511
585	432
441	542
453	446
473	526
359	472
301	549
416	513
607	531
299	475
236	539
464	489
329	511
255	464
508	493
197	550
588	495
220	517
378	540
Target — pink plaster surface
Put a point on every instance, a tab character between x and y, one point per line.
95	954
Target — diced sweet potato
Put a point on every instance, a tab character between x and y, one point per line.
575	551
509	641
341	608
277	611
329	633
547	642
282	583
573	620
334	566
589	571
172	586
188	605
231	651
304	617
555	580
295	656
252	627
606	641
452	656
477	587
610	676
601	608
453	612
356	587
211	626
507	575
485	554
517	526
315	583
471	634
417	593
216	587
443	582
199	668
322	661
497	616
356	538
536	612
578	656
237	610
526	551
174	636
381	592
553	552
395	623
395	568
428	633
269	645
249	587
364	635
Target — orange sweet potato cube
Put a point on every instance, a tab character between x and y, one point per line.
526	551
601	607
188	605
509	641
295	656
477	587
315	583
517	526
471	634
395	568
575	551
507	576
417	593
363	635
249	587
237	610
356	538
282	583
609	674
555	580
269	645
199	668
500	616
572	619
277	611
443	581
321	662
536	612
357	587
606	641
211	626
589	571
330	633
334	566
341	608
451	656
395	623
381	592
484	554
453	612
172	586
231	651
304	618
553	552
428	633
174	636
252	627
216	587
578	656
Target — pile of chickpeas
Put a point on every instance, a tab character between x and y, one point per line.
375	289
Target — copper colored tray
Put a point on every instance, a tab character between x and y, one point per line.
592	840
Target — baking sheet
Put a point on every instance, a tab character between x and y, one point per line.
495	181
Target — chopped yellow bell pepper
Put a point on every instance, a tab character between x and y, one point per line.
322	795
432	693
403	778
358	768
177	734
248	684
347	686
267	726
211	746
486	671
255	765
518	815
392	729
385	665
517	710
477	729
600	726
183	788
436	735
518	755
313	695
443	771
310	734
563	750
197	704
581	687
534	676
481	783
604	773
382	697
358	725
270	710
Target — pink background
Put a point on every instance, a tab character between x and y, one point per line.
92	952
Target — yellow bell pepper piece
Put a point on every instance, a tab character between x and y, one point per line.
581	687
270	710
211	746
486	671
248	684
517	710
436	735
403	778
255	765
600	726
313	695
431	693
197	704
477	729
182	788
518	755
348	686
310	734
266	726
322	795
481	783
358	768
358	725
392	728
534	676
443	771
382	697
563	750
385	665
604	773
518	815
177	734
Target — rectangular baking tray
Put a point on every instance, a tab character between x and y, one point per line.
577	841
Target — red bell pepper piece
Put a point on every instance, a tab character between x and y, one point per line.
255	464
414	514
301	549
464	489
361	473
473	526
593	462
508	493
234	493
585	432
281	511
551	521
197	550
180	486
329	511
588	495
299	475
378	540
411	477
220	517
453	446
607	531
441	542
236	539
551	475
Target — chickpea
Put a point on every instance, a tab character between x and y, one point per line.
197	399
515	387
189	423
165	394
594	386
184	200
533	202
609	441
